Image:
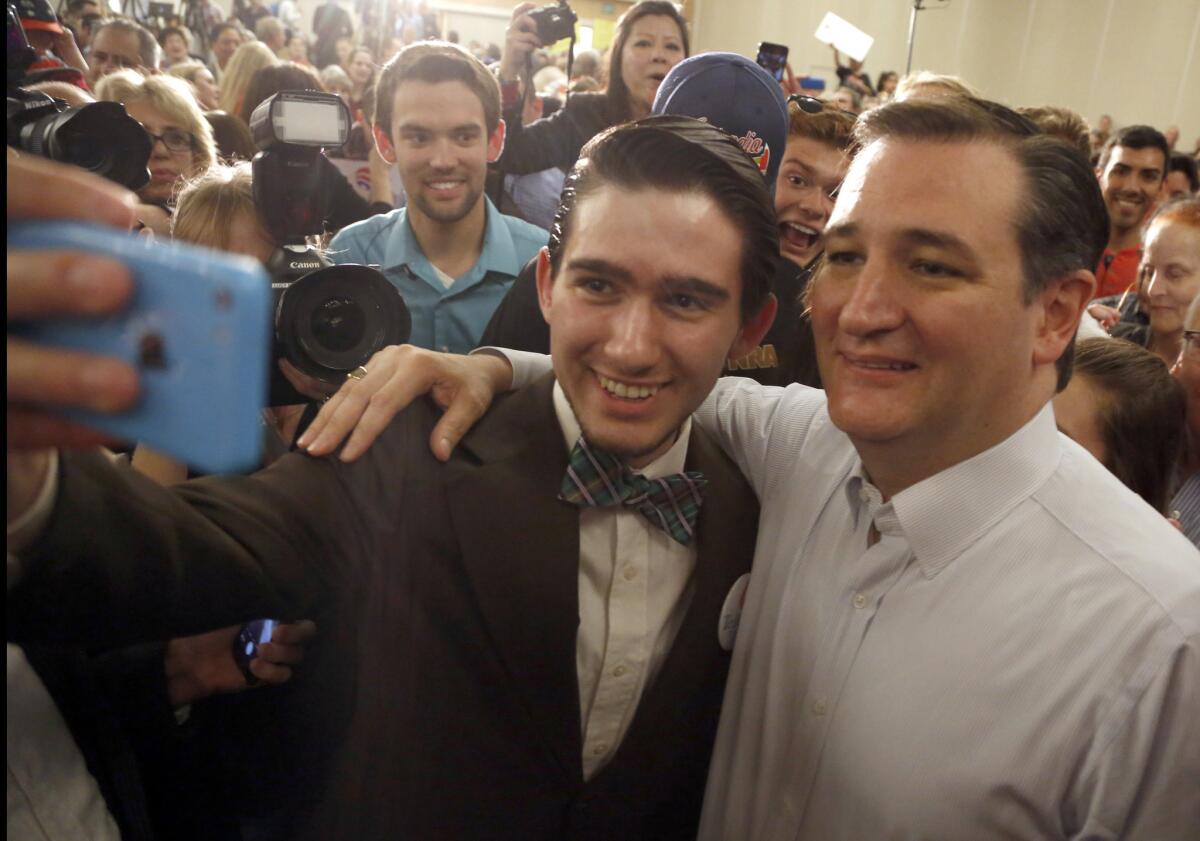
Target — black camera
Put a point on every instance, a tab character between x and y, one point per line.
328	319
554	22
99	137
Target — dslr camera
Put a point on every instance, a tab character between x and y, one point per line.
554	22
328	319
99	137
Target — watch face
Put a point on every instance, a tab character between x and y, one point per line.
246	643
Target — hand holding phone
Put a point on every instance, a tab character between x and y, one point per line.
196	331
772	58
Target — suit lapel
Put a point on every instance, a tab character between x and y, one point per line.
520	551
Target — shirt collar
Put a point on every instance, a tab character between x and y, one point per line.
669	463
942	515
499	252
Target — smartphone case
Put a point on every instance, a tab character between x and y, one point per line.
197	329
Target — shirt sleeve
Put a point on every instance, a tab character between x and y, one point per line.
25	529
762	428
526	367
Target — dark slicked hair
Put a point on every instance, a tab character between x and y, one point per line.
1136	137
680	155
433	62
1061	224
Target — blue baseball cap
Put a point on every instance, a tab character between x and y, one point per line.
734	94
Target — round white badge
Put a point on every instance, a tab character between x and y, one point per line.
731	613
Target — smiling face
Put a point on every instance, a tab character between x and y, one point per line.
361	67
1171	268
655	45
1130	182
925	346
167	168
441	148
809	174
175	47
226	45
641	324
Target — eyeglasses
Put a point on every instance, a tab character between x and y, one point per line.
175	139
1191	341
808	104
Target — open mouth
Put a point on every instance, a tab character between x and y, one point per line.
627	391
798	237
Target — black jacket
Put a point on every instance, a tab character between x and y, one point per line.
556	140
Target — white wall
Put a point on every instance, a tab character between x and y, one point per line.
1138	60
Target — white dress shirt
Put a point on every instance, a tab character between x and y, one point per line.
1016	656
635	584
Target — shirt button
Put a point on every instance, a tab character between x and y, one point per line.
629	573
819	707
618	671
599	749
860	601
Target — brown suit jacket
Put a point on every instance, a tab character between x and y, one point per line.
463	579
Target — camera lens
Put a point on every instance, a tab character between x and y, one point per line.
338	324
334	319
99	137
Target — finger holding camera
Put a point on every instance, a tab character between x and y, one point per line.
520	40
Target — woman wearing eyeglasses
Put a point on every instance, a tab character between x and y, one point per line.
182	139
1169	277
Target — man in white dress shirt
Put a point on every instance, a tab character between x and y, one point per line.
959	625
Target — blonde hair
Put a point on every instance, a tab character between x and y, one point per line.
171	97
208	206
1062	123
186	70
926	83
248	60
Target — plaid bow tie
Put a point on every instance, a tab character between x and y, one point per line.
597	479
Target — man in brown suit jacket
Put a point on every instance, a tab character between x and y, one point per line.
528	665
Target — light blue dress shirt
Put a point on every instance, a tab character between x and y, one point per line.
445	319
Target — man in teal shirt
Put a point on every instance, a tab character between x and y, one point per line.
451	254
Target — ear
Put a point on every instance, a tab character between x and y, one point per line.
384	144
754	328
1061	304
545	282
496	143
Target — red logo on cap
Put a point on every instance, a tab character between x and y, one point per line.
757	148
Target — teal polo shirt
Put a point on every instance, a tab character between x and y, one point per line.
443	319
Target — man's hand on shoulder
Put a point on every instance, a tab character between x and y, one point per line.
397	375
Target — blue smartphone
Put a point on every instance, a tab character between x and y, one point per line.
197	330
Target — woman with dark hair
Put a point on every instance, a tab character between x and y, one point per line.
1124	407
288	76
651	38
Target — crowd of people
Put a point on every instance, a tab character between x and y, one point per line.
794	467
